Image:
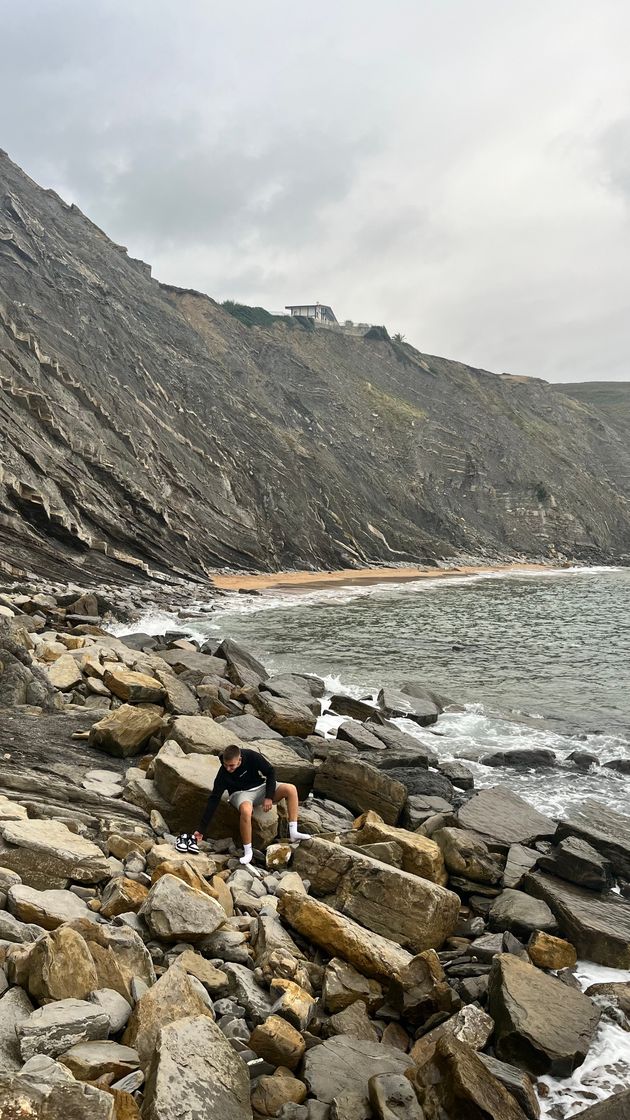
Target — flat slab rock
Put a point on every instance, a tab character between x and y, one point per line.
598	925
499	814
616	1107
344	1064
604	829
541	1024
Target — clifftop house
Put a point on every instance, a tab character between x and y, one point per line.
320	312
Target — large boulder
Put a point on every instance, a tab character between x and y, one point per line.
467	854
242	667
202	735
598	926
616	1107
414	912
604	829
343	986
181	660
41	1098
421	990
53	1029
119	956
521	914
60	966
578	862
360	787
285	714
341	1065
404	749
175	911
470	1025
541	1024
88	1061
194	1072
47	909
501	815
277	1042
178	697
396	704
420	855
360	736
133	688
126	730
64	673
372	955
46	854
456	1084
186	781
15	1008
173	997
248	728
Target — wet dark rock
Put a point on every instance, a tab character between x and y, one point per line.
598	926
398	740
604	829
456	1084
518	1083
348	706
583	759
520	859
526	758
396	704
619	765
242	667
458	774
577	862
616	1107
423	783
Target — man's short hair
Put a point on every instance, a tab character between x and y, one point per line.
230	753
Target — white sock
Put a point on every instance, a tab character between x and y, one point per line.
295	835
248	854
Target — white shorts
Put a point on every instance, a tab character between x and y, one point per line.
256	796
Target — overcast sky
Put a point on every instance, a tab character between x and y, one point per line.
456	169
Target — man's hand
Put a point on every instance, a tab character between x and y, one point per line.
198	836
267	803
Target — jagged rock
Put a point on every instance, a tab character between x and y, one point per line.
53	1029
374	956
277	1042
61	967
119	956
470	1025
540	1023
599	927
292	1003
577	862
194	877
284	714
15	931
466	854
420	855
133	688
174	911
272	937
122	896
248	992
15	1008
90	1060
56	1101
457	1084
183	660
360	786
64	673
242	667
272	1093
115	1006
195	1072
546	951
343	986
214	980
352	1022
186	782
501	815
387	852
521	914
347	706
604	829
458	774
202	735
422	811
394	704
421	990
46	854
361	737
346	1064
392	1098
47	909
520	860
249	728
404	749
173	997
414	912
518	1083
178	698
125	731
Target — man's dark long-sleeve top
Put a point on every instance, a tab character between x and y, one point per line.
253	770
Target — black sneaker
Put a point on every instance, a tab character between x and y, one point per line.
182	842
193	846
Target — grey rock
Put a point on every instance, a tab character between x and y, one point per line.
396	704
174	911
521	914
248	992
115	1006
518	1083
459	775
598	926
519	861
195	1072
346	1064
501	815
15	1008
359	786
53	1029
604	829
577	862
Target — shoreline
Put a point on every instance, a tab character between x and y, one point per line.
261	581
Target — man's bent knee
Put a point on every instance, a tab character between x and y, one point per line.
246	809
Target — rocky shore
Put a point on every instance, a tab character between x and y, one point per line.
415	960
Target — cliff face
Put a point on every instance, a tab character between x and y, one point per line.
144	427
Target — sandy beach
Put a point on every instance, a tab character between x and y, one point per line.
302	580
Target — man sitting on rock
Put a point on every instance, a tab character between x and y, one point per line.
249	780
